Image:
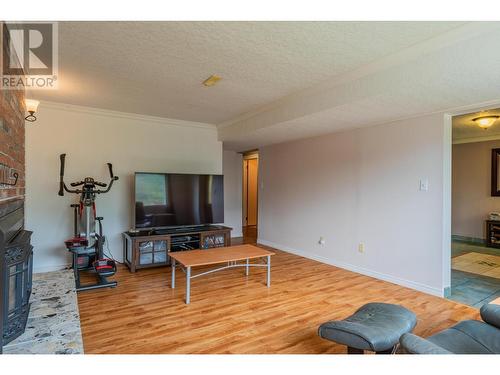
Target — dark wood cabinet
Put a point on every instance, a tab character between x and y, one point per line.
145	251
493	233
151	249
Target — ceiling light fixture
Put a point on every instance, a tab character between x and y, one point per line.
31	107
212	80
485	122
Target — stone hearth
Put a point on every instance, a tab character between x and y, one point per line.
54	321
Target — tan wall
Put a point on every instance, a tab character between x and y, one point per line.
232	169
471	188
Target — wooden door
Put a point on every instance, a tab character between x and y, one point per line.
250	191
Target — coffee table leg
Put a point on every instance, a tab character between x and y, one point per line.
188	285
247	269
268	271
173	273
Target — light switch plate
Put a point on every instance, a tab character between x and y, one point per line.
424	185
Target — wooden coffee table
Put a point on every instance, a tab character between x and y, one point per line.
231	255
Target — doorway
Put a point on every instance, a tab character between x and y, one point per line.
475	245
250	199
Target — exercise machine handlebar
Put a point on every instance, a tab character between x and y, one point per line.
110	167
62	157
88	180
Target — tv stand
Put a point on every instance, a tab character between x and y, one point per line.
151	248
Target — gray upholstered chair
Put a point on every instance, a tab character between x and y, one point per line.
466	337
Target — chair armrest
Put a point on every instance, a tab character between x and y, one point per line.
413	344
490	313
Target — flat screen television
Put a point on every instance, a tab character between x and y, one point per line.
165	200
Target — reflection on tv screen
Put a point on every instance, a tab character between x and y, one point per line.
164	200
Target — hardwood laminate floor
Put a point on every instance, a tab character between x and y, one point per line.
233	313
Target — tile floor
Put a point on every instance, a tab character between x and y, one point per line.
469	288
478	263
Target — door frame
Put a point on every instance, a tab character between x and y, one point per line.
448	184
252	154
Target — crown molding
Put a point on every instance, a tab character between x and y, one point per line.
473	108
493	137
124	115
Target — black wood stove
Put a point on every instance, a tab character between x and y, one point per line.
16	269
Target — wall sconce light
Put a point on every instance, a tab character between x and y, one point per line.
485	122
31	107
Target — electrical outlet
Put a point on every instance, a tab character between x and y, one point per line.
322	241
361	247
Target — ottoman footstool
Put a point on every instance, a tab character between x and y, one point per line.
375	326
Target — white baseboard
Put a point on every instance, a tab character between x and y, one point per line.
364	271
50	268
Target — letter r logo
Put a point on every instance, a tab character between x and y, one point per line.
28	49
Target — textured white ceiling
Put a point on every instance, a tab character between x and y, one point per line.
444	74
156	68
281	80
466	130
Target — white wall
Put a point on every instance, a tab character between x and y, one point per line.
91	138
362	186
232	167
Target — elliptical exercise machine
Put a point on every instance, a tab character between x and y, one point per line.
87	245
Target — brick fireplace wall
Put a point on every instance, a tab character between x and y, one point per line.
12	109
12	160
